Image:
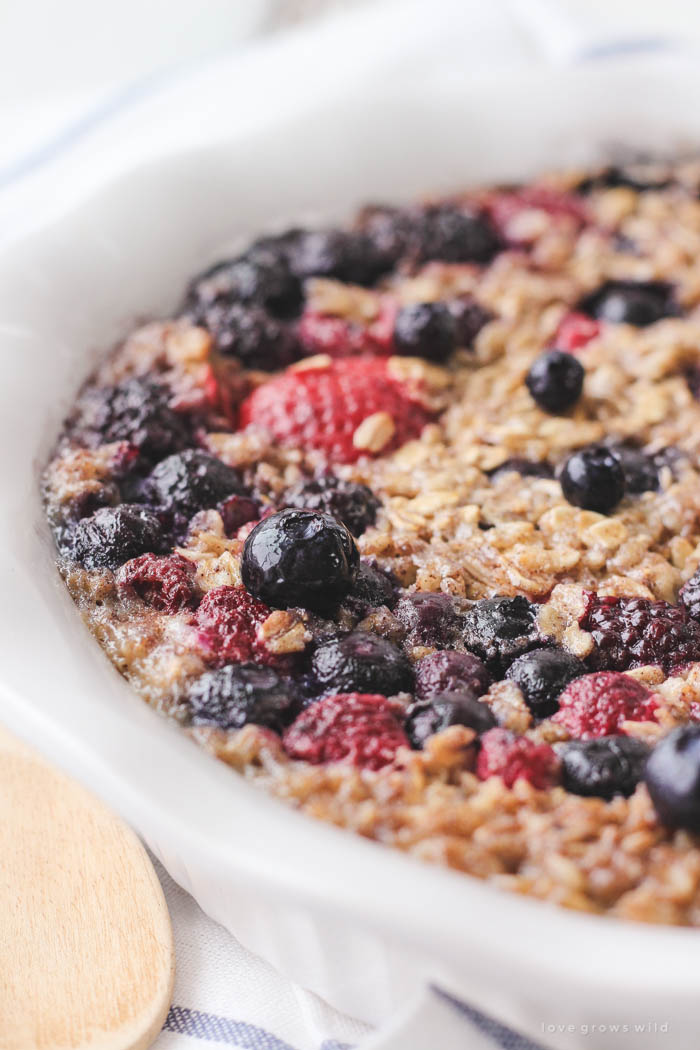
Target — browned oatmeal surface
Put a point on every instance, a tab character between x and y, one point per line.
413	356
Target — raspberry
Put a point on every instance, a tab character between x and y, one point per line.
574	331
362	728
228	619
632	632
321	408
511	757
165	583
504	207
323	334
597	704
428	619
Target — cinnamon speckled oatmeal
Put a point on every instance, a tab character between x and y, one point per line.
402	522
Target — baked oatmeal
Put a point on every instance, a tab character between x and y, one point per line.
402	522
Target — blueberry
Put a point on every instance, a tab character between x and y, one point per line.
542	675
637	303
372	587
449	671
469	318
497	630
425	330
593	478
641	470
428	619
363	663
339	254
348	501
608	766
190	481
457	708
299	557
252	335
453	235
239	694
555	380
136	411
527	468
113	535
672	777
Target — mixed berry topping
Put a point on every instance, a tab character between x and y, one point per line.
322	408
364	729
542	675
672	777
300	558
425	330
428	619
239	694
603	767
510	757
555	381
456	708
113	535
348	501
632	632
450	671
499	629
638	303
593	478
228	620
165	582
599	704
360	662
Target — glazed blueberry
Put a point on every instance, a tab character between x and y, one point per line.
453	235
555	381
339	254
428	619
449	671
425	330
593	478
190	481
361	662
542	675
372	587
608	766
638	303
672	777
240	694
458	708
136	410
527	468
348	501
252	335
300	558
499	629
113	535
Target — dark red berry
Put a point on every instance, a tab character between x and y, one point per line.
348	501
449	671
639	303
425	330
499	629
542	675
228	619
593	478
113	535
361	662
672	777
555	381
632	632
364	729
598	704
241	694
510	757
456	708
236	511
575	331
603	768
166	583
428	619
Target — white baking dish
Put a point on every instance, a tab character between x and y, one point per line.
361	925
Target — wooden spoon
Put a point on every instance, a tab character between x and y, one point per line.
86	949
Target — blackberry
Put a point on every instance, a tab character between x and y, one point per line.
454	235
593	478
300	557
425	330
632	632
364	729
390	231
241	694
372	588
638	303
689	596
555	381
542	675
252	335
361	662
348	501
499	629
450	671
190	481
672	777
527	468
113	535
136	411
164	582
428	619
261	276
603	768
458	708
640	469
339	254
